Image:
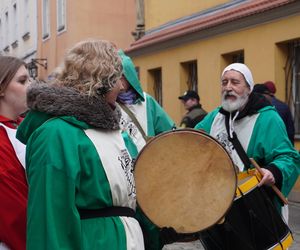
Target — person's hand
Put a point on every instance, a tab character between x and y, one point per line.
168	235
267	178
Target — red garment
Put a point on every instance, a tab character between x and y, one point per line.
13	192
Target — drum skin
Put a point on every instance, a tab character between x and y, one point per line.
184	179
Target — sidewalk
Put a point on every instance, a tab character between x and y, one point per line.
294	222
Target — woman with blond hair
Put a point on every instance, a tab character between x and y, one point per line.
14	80
82	191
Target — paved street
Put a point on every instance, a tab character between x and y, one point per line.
294	222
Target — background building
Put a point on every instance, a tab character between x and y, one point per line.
62	23
18	28
43	30
188	46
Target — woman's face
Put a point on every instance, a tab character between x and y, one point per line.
13	99
125	83
111	96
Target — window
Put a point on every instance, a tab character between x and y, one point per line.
234	57
156	82
61	15
190	75
238	58
26	18
46	19
15	26
292	73
137	69
1	36
6	32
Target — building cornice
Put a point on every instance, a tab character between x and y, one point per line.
241	16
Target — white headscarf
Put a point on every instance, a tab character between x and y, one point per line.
244	70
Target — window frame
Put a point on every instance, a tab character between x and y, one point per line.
45	19
61	7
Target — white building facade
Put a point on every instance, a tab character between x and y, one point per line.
18	28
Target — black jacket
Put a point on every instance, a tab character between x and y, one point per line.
193	117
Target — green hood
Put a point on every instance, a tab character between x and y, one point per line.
35	119
130	74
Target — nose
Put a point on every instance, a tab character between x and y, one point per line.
29	81
121	85
227	86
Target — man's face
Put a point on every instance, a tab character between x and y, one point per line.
235	91
189	103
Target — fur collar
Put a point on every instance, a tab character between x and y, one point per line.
62	101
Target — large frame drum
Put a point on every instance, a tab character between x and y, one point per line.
184	179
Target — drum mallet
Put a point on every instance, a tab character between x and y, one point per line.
275	189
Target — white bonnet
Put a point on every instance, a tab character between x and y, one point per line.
244	70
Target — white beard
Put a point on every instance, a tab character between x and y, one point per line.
237	104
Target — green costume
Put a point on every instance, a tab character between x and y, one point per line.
150	115
77	159
263	136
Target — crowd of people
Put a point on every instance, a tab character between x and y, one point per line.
68	148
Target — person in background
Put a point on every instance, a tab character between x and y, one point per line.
283	110
262	89
142	116
82	190
195	112
14	80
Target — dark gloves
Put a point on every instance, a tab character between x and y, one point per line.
168	235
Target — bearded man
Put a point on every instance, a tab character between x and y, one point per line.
257	126
249	118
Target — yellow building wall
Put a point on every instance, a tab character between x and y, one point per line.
262	52
160	12
261	55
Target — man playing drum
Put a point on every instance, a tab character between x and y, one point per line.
249	127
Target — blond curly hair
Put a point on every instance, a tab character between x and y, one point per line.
92	67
